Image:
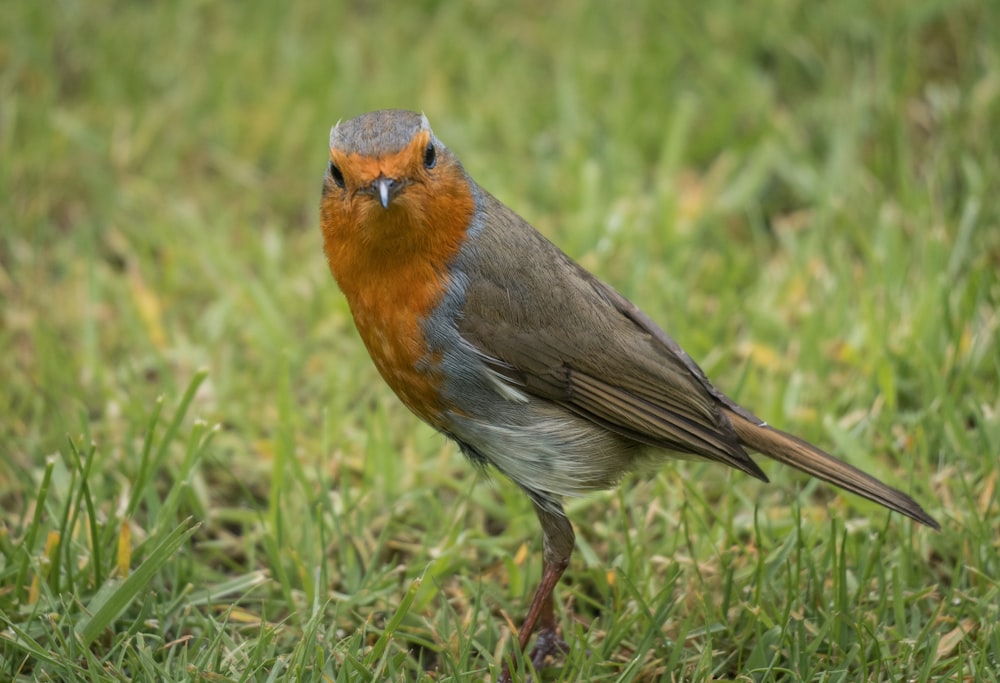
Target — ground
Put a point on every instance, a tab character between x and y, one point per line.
203	478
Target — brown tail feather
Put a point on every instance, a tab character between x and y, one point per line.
804	456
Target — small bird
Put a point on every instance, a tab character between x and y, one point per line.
499	340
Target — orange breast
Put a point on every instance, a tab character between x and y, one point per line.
392	265
389	319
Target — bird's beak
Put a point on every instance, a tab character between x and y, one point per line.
383	186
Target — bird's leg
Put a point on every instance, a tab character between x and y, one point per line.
548	641
557	546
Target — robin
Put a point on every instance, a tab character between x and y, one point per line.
533	366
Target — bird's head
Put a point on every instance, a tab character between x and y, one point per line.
392	190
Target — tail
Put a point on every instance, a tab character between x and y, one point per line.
804	456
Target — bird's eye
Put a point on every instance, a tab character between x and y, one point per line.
430	156
337	176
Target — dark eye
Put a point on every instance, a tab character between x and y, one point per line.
337	176
430	156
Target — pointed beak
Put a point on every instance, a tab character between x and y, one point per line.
383	187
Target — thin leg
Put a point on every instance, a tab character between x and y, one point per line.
548	641
557	546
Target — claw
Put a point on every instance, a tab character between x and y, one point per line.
547	644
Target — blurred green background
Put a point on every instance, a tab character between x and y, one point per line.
803	194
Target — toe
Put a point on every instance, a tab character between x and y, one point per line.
547	643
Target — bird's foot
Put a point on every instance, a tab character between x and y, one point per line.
547	643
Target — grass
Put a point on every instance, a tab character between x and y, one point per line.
203	478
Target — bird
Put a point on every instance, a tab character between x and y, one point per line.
536	368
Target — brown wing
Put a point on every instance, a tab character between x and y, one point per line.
553	330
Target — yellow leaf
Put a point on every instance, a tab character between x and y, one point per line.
47	560
124	549
242	616
949	641
147	303
521	554
763	356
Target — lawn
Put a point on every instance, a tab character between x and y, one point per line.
202	476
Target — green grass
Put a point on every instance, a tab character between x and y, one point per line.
203	478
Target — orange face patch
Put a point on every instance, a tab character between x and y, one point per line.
360	171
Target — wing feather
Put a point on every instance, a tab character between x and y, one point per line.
587	348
